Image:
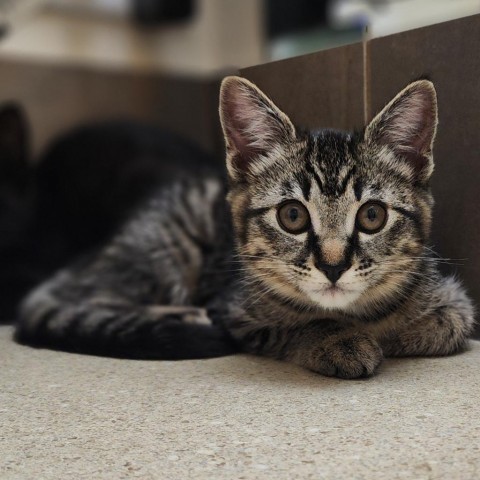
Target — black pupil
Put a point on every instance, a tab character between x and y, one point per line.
372	214
293	214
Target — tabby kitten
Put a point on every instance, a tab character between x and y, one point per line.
319	259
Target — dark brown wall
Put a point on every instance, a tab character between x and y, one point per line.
326	89
319	90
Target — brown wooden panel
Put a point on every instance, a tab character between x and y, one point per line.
323	89
449	54
58	96
190	106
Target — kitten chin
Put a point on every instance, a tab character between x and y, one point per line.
331	297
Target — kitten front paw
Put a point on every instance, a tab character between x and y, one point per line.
351	356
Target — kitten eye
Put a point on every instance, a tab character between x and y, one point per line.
293	217
371	217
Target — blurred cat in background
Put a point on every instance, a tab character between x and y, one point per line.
71	199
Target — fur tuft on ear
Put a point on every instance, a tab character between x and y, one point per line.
252	125
408	125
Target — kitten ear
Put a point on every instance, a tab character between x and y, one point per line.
408	125
253	127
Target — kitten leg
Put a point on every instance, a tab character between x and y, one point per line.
348	354
326	347
186	314
55	316
442	331
130	331
189	315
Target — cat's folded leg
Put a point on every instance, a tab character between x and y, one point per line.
326	347
443	330
188	315
101	326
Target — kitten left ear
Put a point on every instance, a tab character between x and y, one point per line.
253	127
408	125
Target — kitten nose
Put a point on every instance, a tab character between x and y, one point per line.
333	272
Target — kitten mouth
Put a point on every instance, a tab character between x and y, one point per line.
334	290
333	296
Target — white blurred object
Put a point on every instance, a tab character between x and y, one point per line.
112	8
221	34
392	16
11	10
14	11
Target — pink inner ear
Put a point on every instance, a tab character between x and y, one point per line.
416	160
239	142
409	125
248	126
423	135
246	141
244	152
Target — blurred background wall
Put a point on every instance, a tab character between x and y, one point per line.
188	37
73	61
203	36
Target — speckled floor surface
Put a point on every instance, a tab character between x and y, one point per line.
65	416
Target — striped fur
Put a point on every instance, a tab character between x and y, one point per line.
133	298
193	275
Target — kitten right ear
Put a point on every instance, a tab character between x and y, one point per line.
253	127
408	125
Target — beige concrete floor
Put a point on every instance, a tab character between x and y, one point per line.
66	416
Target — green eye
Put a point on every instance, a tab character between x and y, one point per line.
293	217
371	217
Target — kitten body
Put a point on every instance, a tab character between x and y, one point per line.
192	276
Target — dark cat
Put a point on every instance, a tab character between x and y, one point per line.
77	194
91	179
16	273
326	266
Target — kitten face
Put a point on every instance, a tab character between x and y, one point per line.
330	219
